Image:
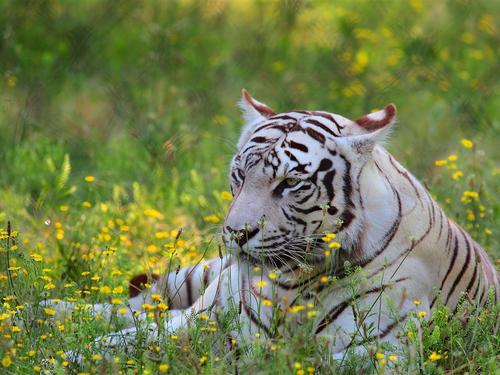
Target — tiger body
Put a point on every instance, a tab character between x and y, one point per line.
297	176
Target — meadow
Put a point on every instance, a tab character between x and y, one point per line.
117	123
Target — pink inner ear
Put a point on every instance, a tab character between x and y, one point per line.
263	109
377	120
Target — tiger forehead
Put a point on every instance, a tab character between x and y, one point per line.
300	121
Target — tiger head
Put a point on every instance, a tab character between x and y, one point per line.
296	177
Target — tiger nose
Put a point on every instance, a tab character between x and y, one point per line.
242	236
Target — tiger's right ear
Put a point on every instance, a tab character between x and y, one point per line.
254	112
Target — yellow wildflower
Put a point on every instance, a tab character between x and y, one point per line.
152	248
6	361
161	234
156	297
147	307
226	195
89	178
334	245
162	306
122	311
466	143
163	368
328	237
214	219
440	163
36	257
435	357
153	213
422	314
105	289
49	311
297	308
118	290
311	314
60	234
261	284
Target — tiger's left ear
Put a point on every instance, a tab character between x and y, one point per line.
254	112
373	128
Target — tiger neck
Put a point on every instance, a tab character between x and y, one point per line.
384	200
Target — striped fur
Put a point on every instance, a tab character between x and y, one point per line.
296	176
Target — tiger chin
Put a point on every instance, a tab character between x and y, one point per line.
313	190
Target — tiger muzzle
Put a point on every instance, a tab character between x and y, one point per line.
241	236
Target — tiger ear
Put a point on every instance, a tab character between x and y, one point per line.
378	120
374	128
254	112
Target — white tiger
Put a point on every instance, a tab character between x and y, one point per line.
299	176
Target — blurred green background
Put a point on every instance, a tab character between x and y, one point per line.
145	92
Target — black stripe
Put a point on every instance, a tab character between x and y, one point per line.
291	156
307	210
464	267
303	200
337	310
329	117
298	221
321	125
189	286
298	146
391	326
282	127
472	280
206	276
473	297
249	312
450	267
405	174
260	140
316	135
328	183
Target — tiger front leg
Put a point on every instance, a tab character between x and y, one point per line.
176	291
179	288
151	329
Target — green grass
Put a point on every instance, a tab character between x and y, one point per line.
142	97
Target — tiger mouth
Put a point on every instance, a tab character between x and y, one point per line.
276	261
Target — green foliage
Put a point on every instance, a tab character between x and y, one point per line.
141	97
